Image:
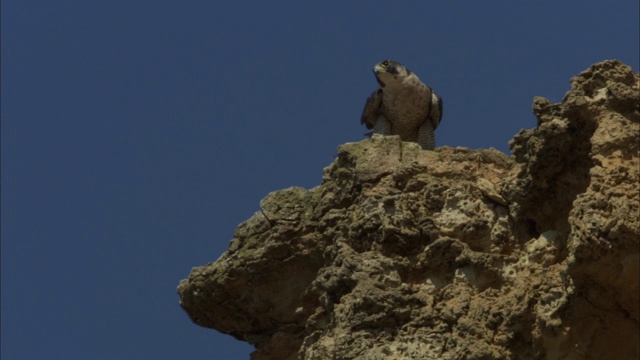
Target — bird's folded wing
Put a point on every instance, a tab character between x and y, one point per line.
435	111
371	108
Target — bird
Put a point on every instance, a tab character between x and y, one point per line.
403	105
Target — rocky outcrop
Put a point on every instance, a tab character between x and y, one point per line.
450	254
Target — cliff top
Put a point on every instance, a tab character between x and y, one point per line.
454	253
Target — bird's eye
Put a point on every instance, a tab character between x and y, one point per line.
385	63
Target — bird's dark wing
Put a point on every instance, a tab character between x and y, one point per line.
371	108
435	112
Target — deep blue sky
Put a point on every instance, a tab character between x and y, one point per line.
136	135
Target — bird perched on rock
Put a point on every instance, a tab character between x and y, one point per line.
403	105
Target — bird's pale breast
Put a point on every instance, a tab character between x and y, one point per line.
407	107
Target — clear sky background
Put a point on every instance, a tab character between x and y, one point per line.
136	135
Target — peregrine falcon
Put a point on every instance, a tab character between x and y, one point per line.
403	105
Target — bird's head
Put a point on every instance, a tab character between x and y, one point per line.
389	72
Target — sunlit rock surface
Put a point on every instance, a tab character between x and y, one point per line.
449	254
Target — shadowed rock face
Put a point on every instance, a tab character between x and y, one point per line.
455	253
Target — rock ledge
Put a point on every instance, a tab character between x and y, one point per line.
450	254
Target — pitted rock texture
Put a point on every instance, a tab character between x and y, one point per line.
450	254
